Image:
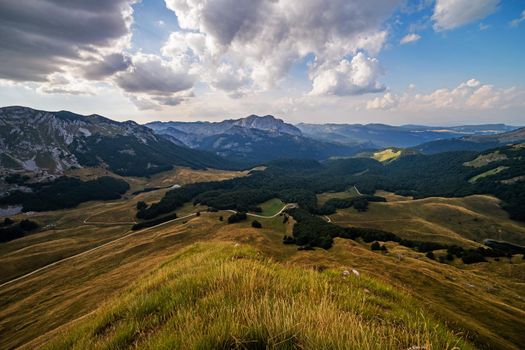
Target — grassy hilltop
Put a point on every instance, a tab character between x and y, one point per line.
223	295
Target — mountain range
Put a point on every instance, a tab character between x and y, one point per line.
381	135
472	142
253	139
49	143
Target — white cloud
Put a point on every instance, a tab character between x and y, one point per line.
261	40
483	26
354	77
470	95
410	38
150	81
450	14
64	83
516	22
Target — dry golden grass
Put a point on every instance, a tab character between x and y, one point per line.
222	296
485	301
71	231
463	221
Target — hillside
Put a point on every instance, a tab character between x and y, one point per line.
209	288
476	143
50	143
136	284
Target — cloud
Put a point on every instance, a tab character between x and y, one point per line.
262	39
152	81
410	38
41	37
450	14
354	77
107	66
483	26
470	95
516	22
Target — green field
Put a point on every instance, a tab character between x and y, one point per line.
386	155
271	207
488	173
326	196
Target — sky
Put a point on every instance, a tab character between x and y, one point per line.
434	62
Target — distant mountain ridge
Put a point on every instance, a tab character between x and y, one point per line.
52	142
382	135
253	139
476	143
202	129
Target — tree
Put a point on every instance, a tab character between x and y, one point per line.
141	205
288	240
198	213
430	255
256	224
28	225
8	221
375	246
361	204
221	218
237	217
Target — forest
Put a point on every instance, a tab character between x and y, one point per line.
65	192
9	229
298	181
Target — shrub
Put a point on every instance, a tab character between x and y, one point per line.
361	204
141	205
28	225
154	222
256	224
375	246
7	222
288	240
237	217
430	255
221	218
472	256
16	231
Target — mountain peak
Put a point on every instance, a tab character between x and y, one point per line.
267	123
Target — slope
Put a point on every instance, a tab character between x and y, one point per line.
221	295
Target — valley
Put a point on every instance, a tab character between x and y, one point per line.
387	240
73	290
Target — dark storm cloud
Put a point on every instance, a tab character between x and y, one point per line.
38	37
